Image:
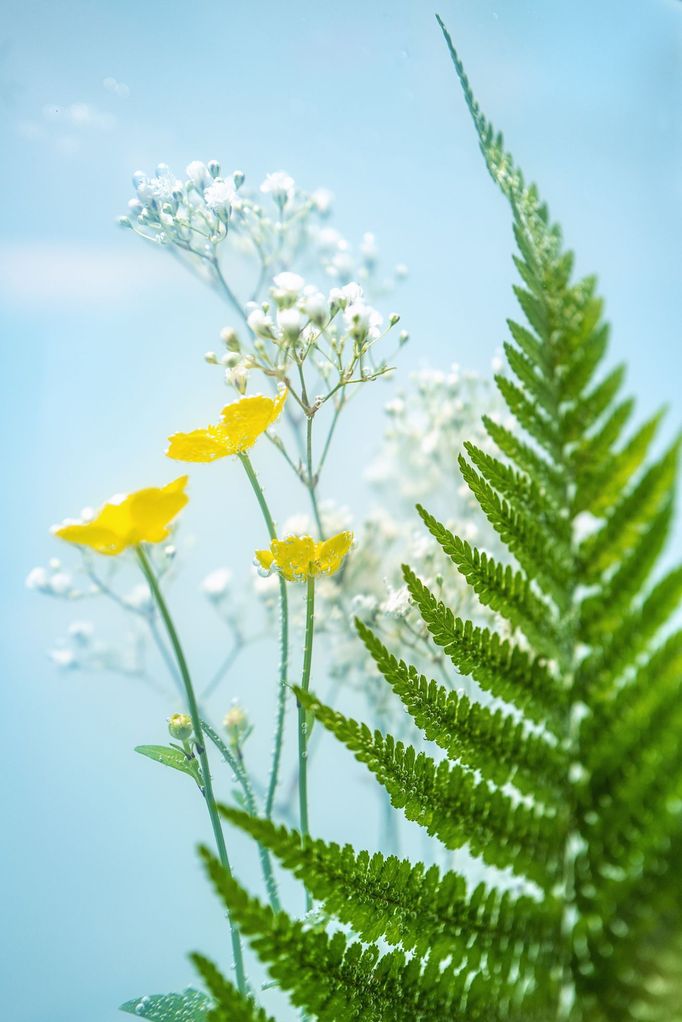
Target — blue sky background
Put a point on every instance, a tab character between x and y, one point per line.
101	358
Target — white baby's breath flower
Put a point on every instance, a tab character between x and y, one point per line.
81	631
348	294
64	658
362	320
290	322
280	186
314	305
38	578
216	583
289	283
261	324
368	247
219	196
198	173
397	602
322	200
139	597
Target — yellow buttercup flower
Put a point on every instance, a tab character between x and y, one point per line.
241	423
140	517
301	557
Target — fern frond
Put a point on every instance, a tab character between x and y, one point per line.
601	612
633	513
601	473
600	672
449	802
341	981
528	460
494	743
497	665
499	587
536	549
231	1005
409	905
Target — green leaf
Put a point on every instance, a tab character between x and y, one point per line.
231	1005
168	756
189	1006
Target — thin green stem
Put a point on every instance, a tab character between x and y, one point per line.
276	761
302	721
238	767
311	481
209	797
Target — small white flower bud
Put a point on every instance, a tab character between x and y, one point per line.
291	322
214	168
261	324
211	358
238	178
198	174
393	319
230	339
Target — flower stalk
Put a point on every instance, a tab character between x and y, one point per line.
302	717
207	786
276	761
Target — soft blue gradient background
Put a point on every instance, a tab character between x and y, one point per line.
102	343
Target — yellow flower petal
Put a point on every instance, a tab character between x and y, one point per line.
330	554
91	535
140	517
265	559
242	423
153	509
245	420
301	557
200	445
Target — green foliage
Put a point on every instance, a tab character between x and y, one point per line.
168	756
231	1005
565	768
189	1006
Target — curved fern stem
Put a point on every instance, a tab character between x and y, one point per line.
207	789
283	644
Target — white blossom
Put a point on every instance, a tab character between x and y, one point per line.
279	185
216	583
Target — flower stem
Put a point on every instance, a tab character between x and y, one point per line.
209	797
311	482
236	764
302	722
283	645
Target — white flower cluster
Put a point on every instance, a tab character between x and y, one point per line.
279	225
82	650
53	580
192	213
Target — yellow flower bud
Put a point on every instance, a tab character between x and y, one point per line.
180	726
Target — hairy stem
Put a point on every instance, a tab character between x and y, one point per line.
209	797
302	721
283	645
311	479
236	764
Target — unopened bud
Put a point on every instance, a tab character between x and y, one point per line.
180	727
230	339
393	319
236	724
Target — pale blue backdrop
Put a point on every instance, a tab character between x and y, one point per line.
101	358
